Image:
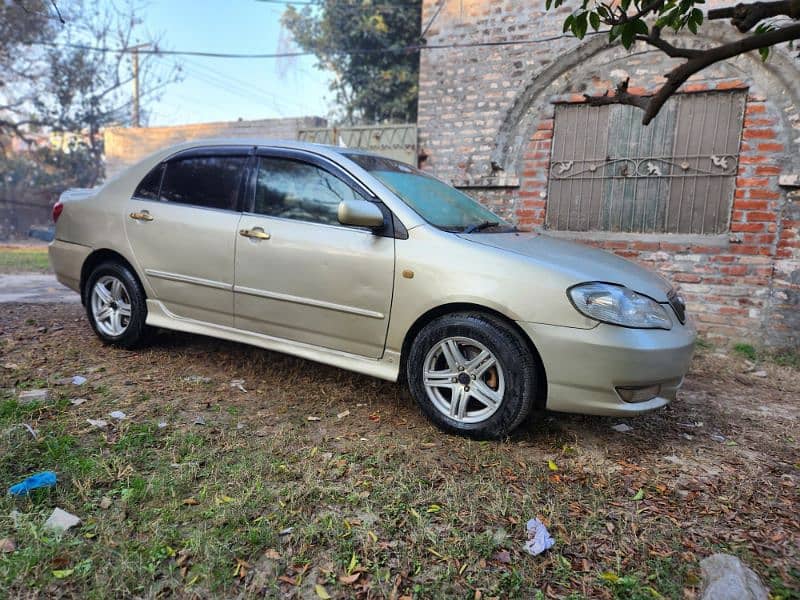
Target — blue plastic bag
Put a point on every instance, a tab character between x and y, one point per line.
34	482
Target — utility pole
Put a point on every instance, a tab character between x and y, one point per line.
135	120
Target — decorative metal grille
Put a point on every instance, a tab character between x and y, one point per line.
393	141
610	173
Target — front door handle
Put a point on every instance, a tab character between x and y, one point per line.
141	216
256	233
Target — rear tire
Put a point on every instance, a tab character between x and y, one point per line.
472	375
116	305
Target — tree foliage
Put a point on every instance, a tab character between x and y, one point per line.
763	25
362	42
56	96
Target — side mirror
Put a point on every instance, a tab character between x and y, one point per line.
360	213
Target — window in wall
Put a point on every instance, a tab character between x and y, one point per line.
292	189
608	172
208	181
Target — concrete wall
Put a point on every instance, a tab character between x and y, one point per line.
486	124
127	145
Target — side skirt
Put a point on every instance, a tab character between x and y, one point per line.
387	368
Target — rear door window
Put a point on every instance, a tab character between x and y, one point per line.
204	181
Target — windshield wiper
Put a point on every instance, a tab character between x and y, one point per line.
480	226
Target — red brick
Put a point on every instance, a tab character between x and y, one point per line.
761	134
645	246
765	194
695	87
768	147
686	278
768	170
734	84
750	204
744	182
545	124
749	227
761	215
734	269
755	108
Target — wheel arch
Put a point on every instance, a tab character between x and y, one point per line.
98	257
460	307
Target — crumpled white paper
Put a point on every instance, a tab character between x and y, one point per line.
539	538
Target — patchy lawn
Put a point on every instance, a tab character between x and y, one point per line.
21	258
367	500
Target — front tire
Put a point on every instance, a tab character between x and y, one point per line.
472	374
116	305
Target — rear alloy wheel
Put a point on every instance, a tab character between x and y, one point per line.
116	305
472	374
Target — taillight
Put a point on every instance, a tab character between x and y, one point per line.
58	208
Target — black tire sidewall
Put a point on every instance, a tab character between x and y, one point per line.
137	329
519	370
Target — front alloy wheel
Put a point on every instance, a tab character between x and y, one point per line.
464	380
472	374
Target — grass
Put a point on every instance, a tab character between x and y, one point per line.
23	258
376	504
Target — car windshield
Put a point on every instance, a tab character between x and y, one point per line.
438	203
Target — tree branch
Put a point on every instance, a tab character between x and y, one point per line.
646	9
697	60
621	96
746	16
654	39
678	76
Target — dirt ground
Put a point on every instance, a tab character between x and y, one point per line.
399	509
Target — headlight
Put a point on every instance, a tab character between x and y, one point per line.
618	305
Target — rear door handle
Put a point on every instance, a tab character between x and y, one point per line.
256	233
142	215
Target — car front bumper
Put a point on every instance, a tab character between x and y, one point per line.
585	367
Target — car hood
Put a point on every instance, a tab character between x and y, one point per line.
580	262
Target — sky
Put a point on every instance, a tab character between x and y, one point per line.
226	89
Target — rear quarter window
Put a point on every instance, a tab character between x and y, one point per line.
149	187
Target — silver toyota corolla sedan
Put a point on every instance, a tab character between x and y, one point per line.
366	263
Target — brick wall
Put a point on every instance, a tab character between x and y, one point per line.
486	125
125	146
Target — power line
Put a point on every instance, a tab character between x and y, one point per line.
399	50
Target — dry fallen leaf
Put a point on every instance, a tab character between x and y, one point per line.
273	554
190	502
322	592
349	579
7	545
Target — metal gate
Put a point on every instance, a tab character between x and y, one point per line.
608	172
393	141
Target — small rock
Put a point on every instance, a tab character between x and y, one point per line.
7	546
61	520
31	396
725	577
105	502
622	428
197	379
200	420
760	374
718	438
78	380
313	419
77	401
162	424
99	423
343	414
238	384
118	415
285	532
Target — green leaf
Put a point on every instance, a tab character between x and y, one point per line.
552	465
322	592
594	20
639	495
63	573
